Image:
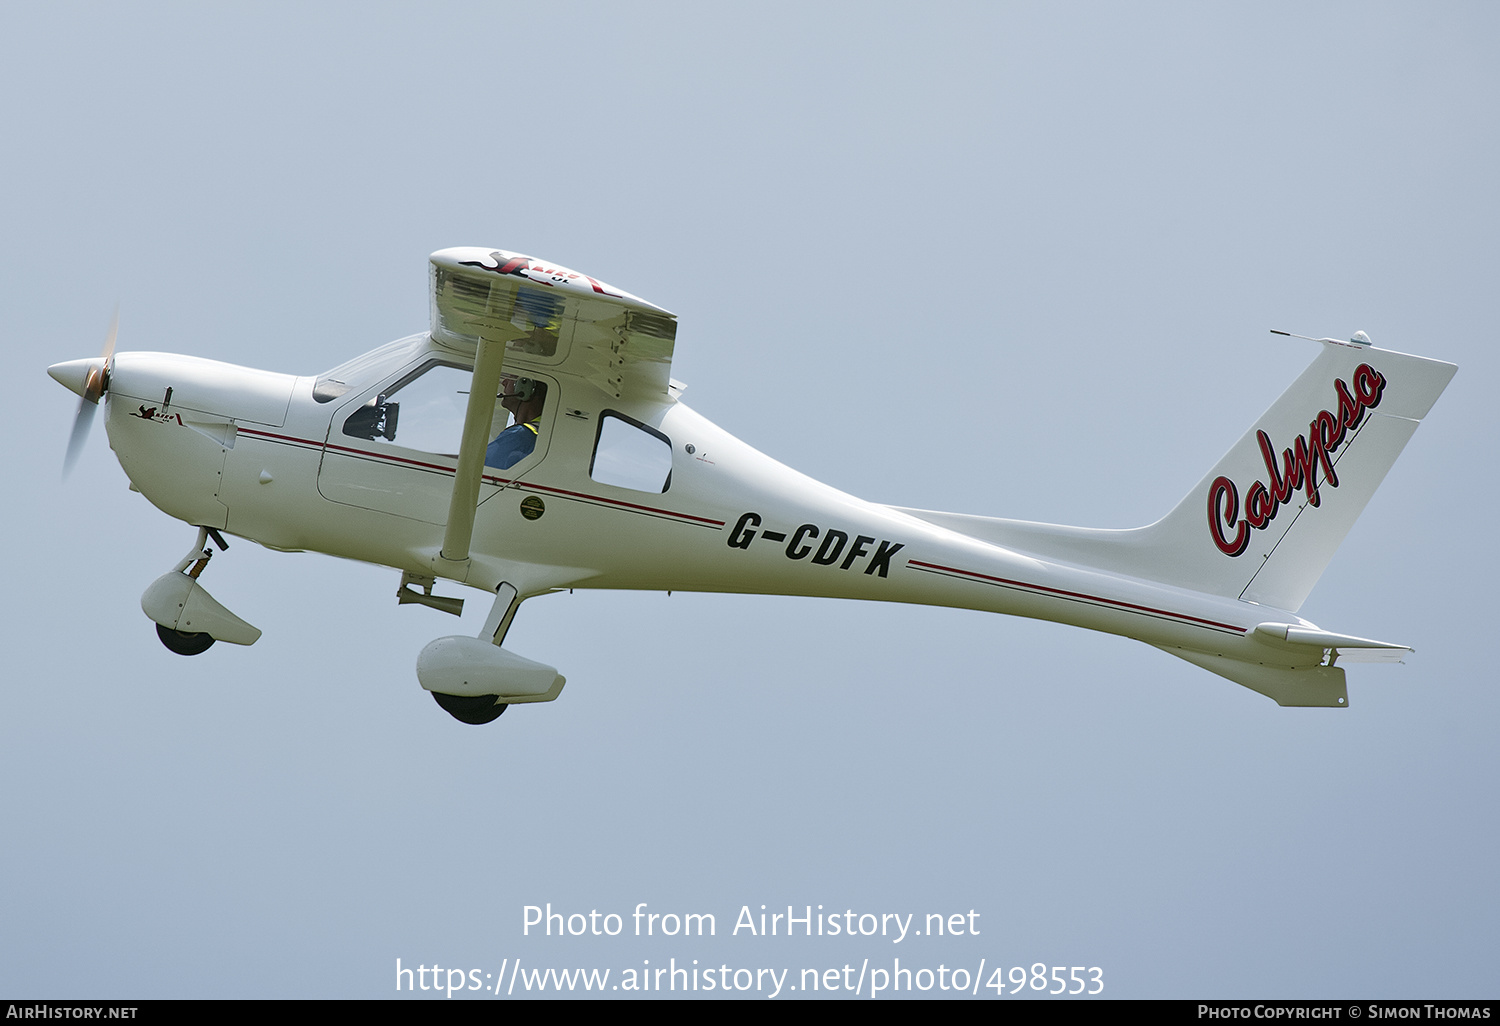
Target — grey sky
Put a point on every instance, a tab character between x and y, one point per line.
1016	260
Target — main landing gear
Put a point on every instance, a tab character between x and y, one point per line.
474	680
188	619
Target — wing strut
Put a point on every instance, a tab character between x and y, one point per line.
489	357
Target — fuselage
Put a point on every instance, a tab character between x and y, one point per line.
271	458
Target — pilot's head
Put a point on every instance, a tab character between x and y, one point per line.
524	398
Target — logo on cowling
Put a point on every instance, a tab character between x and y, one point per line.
1299	465
157	414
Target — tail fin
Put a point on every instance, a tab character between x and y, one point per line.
1265	521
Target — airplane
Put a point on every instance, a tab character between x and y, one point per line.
533	440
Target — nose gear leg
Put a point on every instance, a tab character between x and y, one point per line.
188	619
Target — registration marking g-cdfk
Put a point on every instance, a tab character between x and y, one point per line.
823	544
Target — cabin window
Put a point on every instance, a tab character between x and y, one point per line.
424	411
628	454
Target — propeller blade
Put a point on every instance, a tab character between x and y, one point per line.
81	424
93	391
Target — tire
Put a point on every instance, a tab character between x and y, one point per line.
184	642
475	709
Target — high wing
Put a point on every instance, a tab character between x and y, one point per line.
553	318
514	312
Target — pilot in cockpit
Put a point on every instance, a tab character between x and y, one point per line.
524	398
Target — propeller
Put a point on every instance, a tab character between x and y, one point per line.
94	383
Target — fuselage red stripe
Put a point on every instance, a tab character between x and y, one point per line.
439	468
1081	596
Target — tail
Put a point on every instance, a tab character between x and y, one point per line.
1264	522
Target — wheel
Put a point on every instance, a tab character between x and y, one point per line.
183	642
475	709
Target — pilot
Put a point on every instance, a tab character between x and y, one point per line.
524	399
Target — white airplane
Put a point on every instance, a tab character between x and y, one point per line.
408	457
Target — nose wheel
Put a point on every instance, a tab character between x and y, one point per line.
184	642
188	619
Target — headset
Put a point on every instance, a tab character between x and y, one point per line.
523	390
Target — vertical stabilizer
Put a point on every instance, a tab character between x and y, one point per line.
1264	522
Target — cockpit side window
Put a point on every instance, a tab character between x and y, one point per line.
424	411
629	454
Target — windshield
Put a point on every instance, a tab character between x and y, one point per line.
355	373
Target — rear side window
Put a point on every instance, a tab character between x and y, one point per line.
628	454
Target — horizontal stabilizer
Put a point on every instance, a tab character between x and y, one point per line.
1322	639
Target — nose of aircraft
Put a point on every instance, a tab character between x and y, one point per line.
74	375
86	378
